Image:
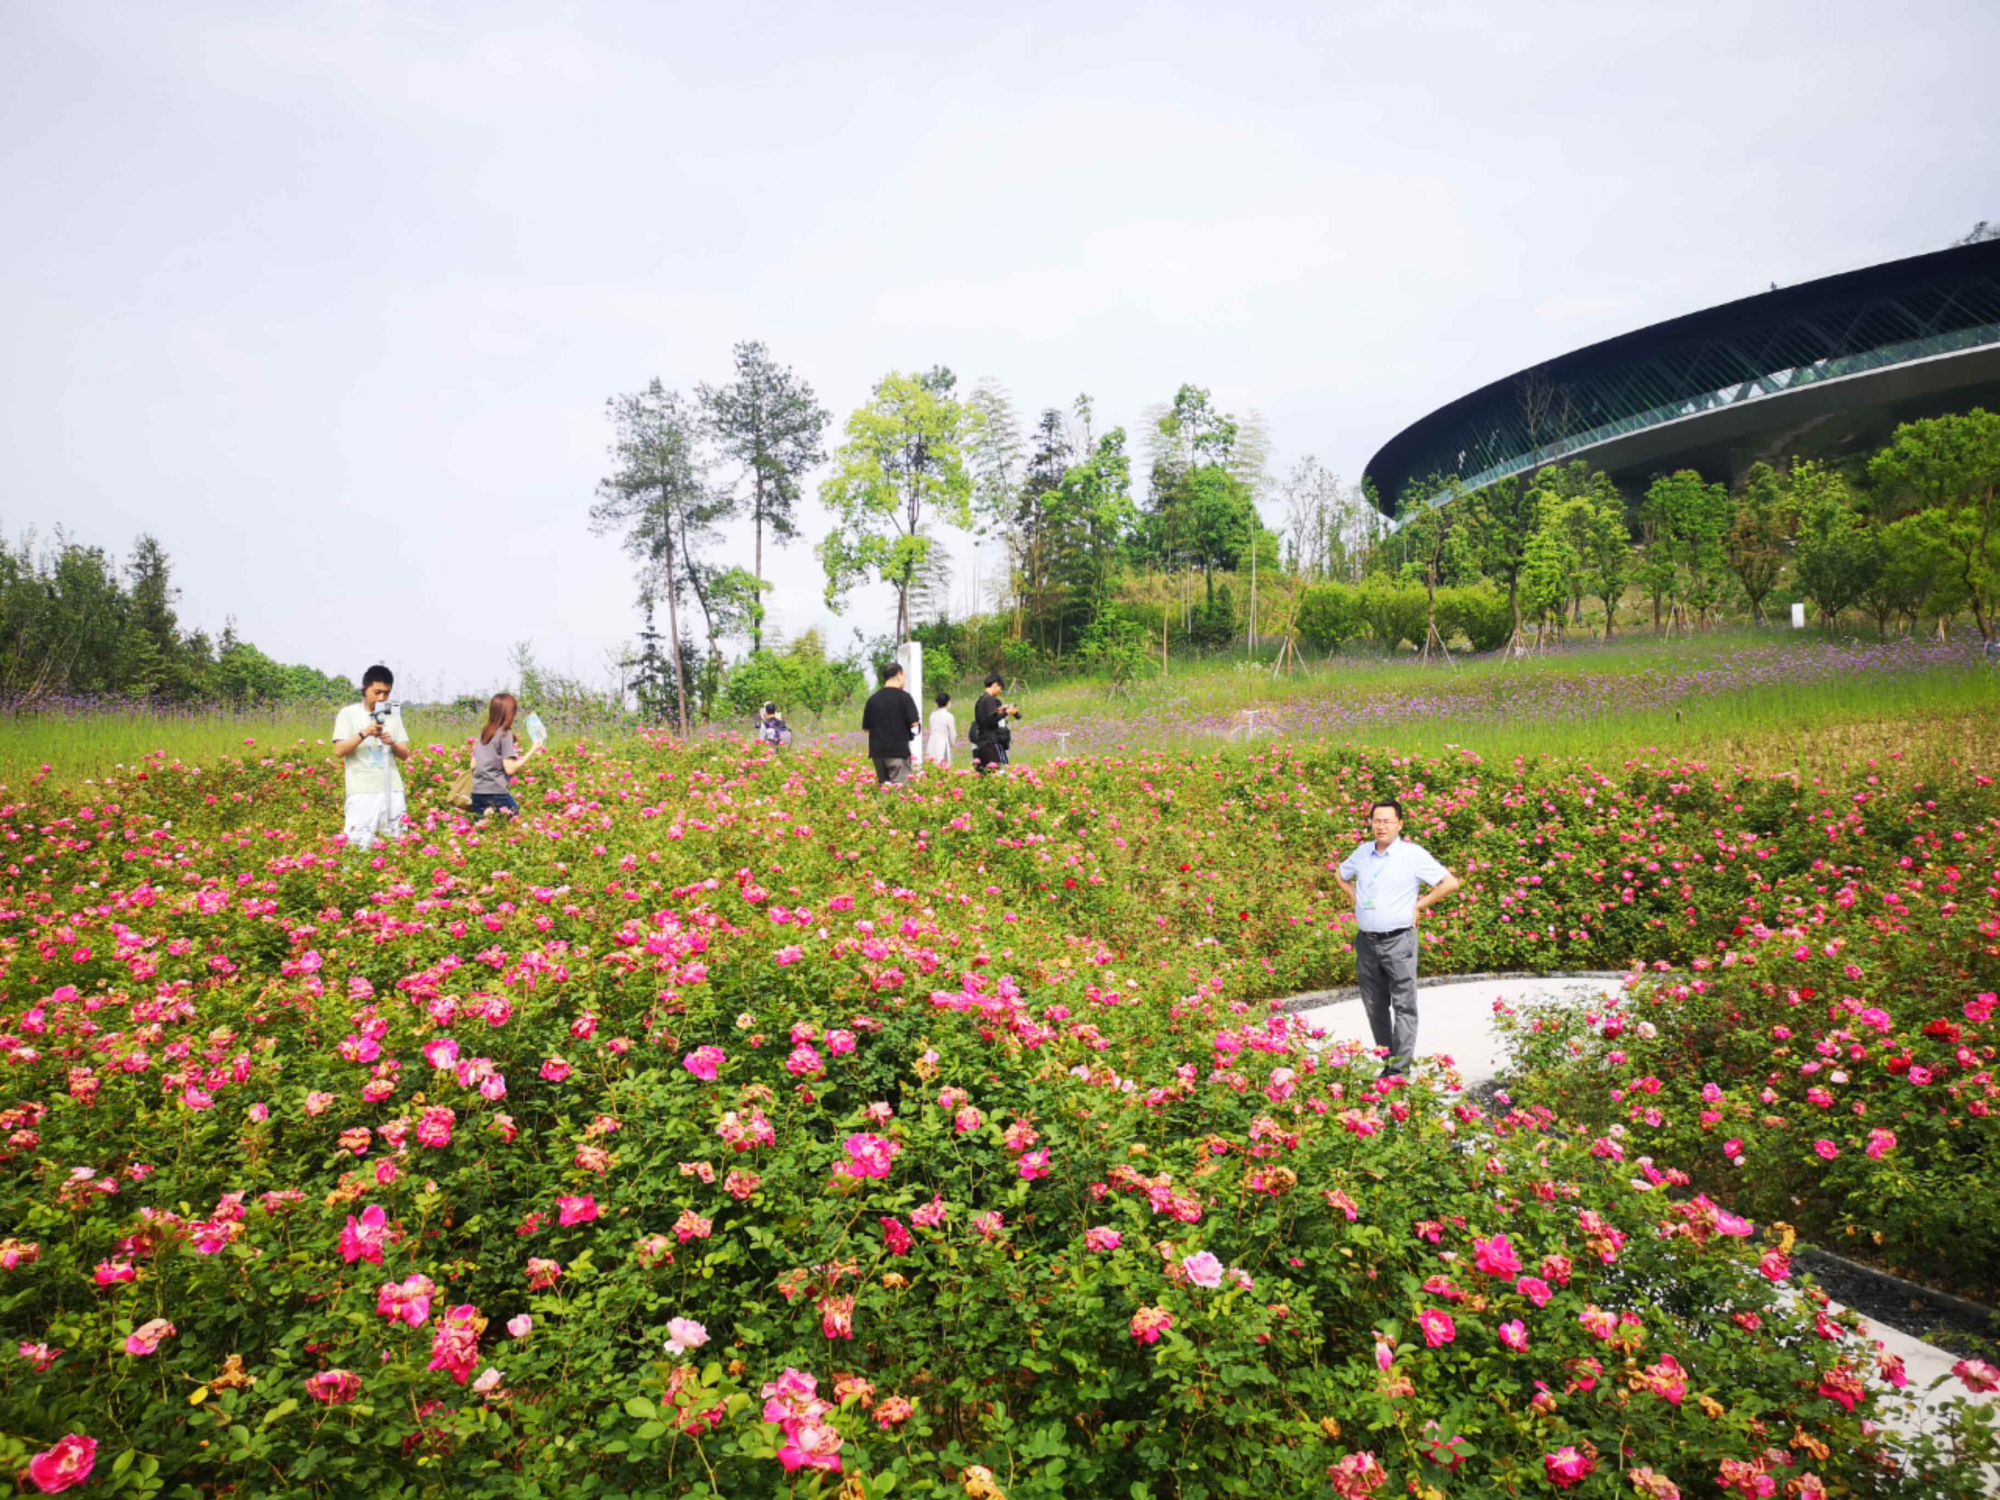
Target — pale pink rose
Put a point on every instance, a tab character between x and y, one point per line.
684	1334
147	1336
1203	1269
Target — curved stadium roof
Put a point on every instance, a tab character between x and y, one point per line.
1703	390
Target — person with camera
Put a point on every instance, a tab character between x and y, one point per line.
991	736
497	757
370	737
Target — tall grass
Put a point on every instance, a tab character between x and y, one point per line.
1728	698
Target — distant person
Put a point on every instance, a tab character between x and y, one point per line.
1381	878
991	738
943	734
497	757
771	726
891	722
370	737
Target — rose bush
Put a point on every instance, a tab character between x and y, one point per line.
726	1126
1833	1066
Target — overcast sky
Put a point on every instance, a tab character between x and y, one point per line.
330	298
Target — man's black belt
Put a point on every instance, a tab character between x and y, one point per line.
1392	932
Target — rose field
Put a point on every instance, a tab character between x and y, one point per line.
724	1126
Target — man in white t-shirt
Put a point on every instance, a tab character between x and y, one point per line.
370	737
1381	877
943	733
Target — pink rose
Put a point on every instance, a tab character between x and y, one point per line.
1102	1237
576	1210
147	1336
333	1387
1496	1257
1978	1375
868	1156
364	1238
1203	1269
1437	1326
455	1345
684	1334
408	1301
68	1463
1566	1467
1514	1334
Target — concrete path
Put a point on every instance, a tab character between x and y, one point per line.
1455	1017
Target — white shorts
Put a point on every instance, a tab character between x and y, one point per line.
370	813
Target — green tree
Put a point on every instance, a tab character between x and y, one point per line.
1835	554
1609	560
1434	532
1759	536
658	484
1201	511
1553	573
901	471
1951	466
1095	517
1684	520
1502	518
770	423
1900	576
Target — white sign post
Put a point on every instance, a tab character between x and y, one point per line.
1798	617
911	655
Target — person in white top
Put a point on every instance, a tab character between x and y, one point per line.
1381	878
370	737
943	732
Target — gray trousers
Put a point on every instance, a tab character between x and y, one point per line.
1385	970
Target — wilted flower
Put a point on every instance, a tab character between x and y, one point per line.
455	1345
148	1335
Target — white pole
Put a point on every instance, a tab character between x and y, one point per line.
1254	524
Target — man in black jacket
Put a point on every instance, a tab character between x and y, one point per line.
889	719
990	734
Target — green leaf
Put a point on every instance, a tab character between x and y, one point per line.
640	1407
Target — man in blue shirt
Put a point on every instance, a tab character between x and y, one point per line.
1381	878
